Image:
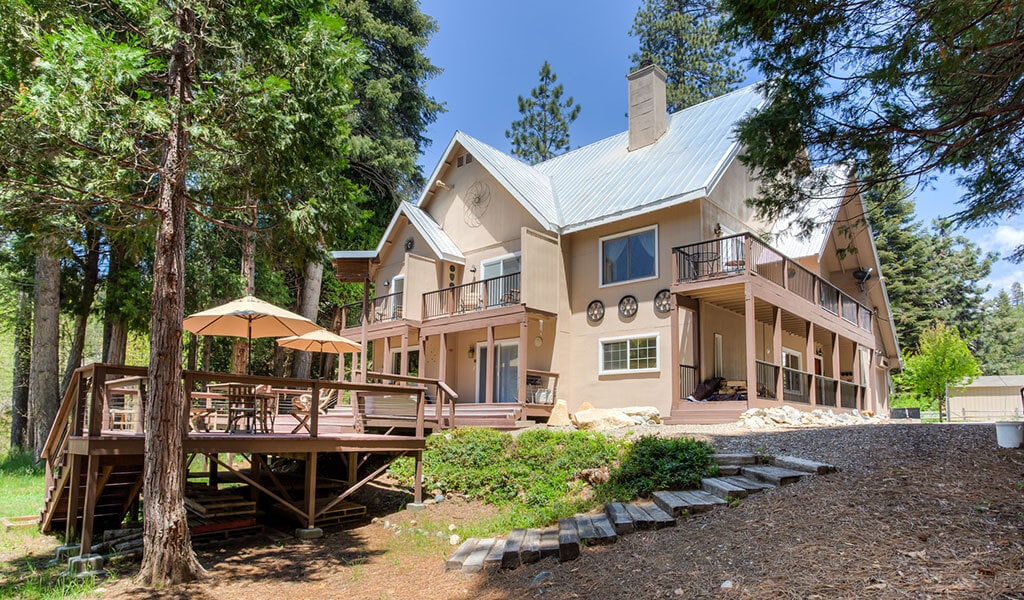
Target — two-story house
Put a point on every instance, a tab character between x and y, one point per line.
626	272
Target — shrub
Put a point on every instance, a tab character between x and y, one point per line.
654	463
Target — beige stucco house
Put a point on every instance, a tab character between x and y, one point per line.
624	273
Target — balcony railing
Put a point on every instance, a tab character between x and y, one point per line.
848	394
687	380
745	254
767	380
796	385
825	390
471	297
382	309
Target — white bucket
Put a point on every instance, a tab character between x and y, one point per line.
1010	434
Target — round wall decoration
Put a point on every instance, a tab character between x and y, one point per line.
663	301
595	311
627	306
410	244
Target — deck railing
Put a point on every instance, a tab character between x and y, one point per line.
825	390
382	309
796	385
480	295
541	387
848	394
767	380
687	380
746	254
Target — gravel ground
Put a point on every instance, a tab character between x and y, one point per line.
916	511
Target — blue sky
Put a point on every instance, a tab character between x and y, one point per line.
491	53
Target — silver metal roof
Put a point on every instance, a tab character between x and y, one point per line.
437	239
826	190
1013	381
367	254
604	181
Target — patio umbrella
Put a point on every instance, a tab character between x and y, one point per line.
248	317
320	340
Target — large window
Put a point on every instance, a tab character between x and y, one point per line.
629	257
629	355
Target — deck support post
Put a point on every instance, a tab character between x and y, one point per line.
489	367
386	367
310	490
353	467
442	358
857	399
750	334
812	393
364	322
92	473
403	368
780	391
524	345
74	497
417	494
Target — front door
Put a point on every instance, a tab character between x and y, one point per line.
506	372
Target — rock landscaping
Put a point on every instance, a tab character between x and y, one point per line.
761	418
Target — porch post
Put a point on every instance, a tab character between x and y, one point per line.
750	333
74	497
856	376
386	367
362	327
837	371
780	393
489	367
812	396
524	338
699	335
674	340
442	359
91	493
404	364
311	489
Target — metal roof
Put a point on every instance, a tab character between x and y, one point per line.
367	254
437	239
1013	381
826	190
605	181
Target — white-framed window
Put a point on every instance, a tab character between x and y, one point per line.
414	361
792	359
397	297
504	291
632	354
630	256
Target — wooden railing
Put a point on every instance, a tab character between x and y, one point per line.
541	387
498	291
382	309
443	394
796	385
747	254
767	380
825	390
687	381
849	394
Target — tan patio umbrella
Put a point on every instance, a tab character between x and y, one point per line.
320	340
248	317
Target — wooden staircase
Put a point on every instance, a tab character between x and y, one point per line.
118	486
739	476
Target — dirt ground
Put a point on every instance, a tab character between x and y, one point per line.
916	511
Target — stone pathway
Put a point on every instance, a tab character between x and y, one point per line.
739	475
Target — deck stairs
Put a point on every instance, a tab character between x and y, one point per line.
739	475
117	486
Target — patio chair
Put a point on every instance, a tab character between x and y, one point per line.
241	407
301	407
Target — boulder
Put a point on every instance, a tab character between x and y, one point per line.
602	419
648	414
559	415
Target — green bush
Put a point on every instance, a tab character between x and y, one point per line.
654	463
535	476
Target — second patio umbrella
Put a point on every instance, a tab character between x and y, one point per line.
248	317
320	340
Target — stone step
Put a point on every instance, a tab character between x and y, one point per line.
456	560
722	488
737	459
800	464
641	520
661	518
777	476
752	486
474	563
620	518
700	501
530	551
510	555
568	540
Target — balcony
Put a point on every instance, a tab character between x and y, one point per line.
747	255
382	309
495	292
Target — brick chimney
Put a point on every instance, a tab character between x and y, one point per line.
648	119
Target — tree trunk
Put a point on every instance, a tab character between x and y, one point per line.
117	348
43	385
240	351
167	556
115	334
309	304
207	353
193	350
90	276
22	365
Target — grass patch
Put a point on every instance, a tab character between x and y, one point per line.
30	584
22	483
537	477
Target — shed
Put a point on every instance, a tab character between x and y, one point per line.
988	398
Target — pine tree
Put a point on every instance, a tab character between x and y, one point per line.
1001	348
543	132
683	37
